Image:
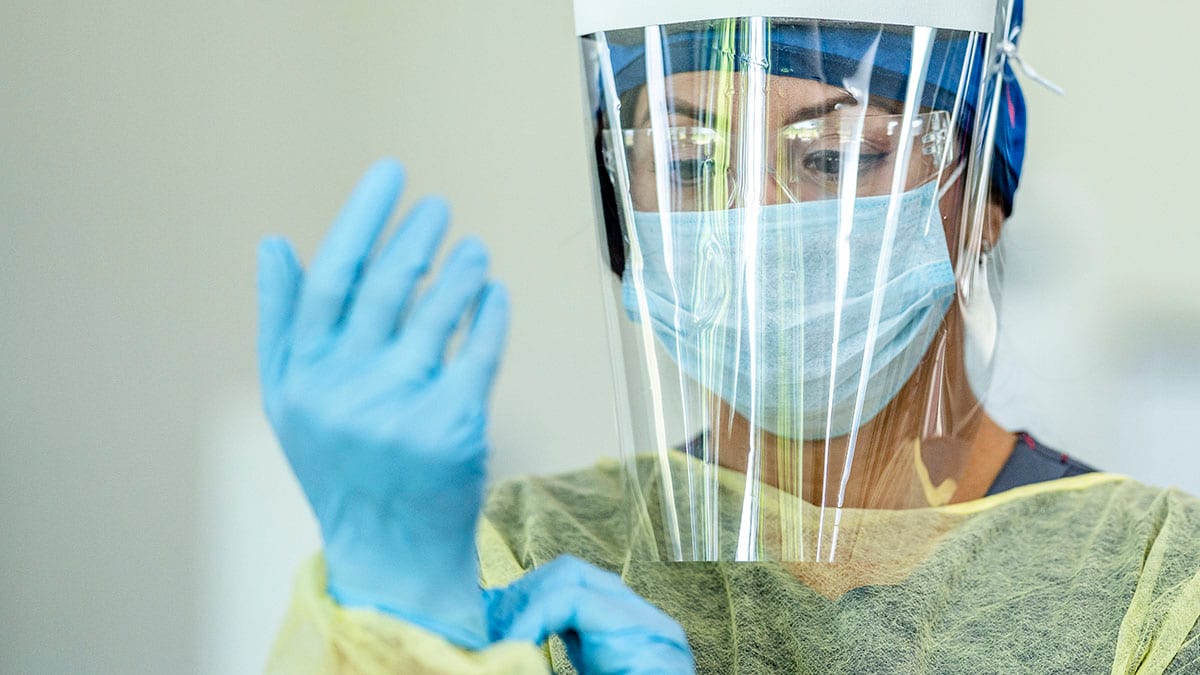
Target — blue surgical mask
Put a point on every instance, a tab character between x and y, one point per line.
779	320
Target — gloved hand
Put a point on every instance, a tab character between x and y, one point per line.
608	629
386	436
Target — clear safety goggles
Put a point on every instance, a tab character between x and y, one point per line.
812	159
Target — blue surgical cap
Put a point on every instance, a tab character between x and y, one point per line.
1010	127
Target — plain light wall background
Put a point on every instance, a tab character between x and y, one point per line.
147	522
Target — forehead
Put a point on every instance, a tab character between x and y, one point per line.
782	84
713	91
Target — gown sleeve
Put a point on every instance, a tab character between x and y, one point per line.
318	637
1160	633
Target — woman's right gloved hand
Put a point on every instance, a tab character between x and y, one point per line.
387	436
607	628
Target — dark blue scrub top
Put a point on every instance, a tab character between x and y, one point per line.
1031	462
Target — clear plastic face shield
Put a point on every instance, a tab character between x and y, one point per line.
793	222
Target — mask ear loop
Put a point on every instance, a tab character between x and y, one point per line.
979	307
980	320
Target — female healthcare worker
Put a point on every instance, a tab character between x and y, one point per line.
800	214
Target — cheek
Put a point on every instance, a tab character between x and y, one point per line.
952	223
951	208
643	191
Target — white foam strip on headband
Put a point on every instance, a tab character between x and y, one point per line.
592	16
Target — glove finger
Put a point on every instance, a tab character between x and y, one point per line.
565	571
568	594
343	253
391	278
279	280
473	369
599	628
427	331
528	615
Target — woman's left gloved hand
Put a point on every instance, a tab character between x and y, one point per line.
608	629
386	434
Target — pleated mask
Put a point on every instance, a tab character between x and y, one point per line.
780	311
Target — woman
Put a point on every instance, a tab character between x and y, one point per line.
800	220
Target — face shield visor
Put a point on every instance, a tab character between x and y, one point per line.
793	231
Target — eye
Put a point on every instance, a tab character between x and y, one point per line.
827	164
691	171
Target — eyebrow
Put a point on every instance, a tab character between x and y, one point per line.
692	111
678	107
820	109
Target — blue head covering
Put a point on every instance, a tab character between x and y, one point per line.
1010	127
834	53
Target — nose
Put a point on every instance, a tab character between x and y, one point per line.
776	190
771	188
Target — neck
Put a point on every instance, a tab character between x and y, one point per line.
932	445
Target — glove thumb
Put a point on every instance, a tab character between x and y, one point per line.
279	279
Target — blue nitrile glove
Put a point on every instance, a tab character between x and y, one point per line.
607	628
386	436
